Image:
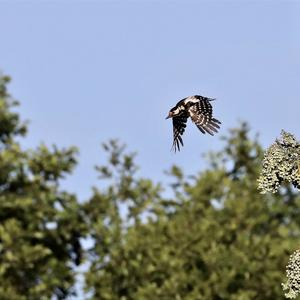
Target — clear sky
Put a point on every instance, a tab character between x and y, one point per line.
93	70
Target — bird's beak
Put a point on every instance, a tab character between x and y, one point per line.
169	116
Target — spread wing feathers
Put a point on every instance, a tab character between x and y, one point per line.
201	115
179	124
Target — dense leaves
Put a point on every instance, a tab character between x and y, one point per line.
281	164
217	237
292	285
210	235
40	225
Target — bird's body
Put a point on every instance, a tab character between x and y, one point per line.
199	109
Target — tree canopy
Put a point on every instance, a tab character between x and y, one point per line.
210	235
40	224
216	237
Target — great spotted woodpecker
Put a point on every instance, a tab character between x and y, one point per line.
200	110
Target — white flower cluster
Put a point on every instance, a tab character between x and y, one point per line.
293	274
281	164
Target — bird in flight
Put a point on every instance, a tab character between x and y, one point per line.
200	110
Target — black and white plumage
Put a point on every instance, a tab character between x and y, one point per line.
200	110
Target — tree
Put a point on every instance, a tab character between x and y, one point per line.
281	165
212	235
40	224
215	238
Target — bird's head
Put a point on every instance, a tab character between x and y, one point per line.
172	113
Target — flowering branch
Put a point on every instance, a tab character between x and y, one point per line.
281	164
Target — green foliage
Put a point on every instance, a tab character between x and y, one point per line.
215	238
281	164
207	236
9	121
40	225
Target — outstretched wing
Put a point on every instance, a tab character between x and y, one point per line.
201	115
179	124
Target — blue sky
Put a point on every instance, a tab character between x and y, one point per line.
89	71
